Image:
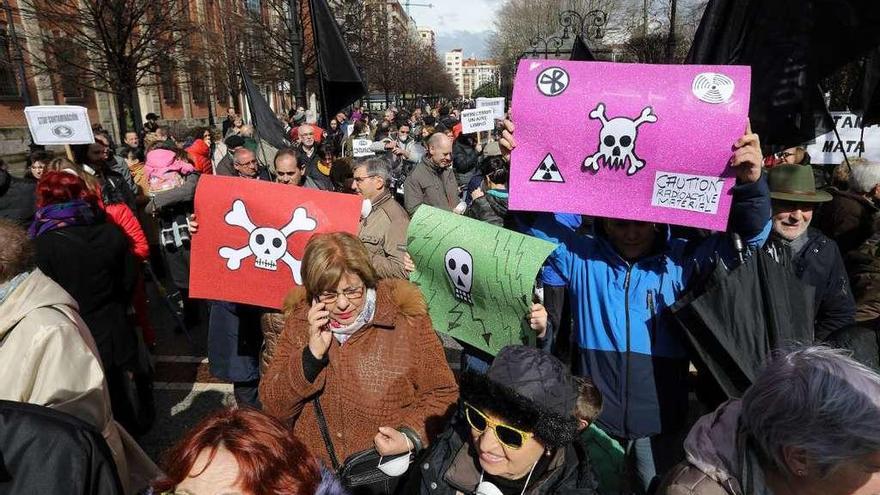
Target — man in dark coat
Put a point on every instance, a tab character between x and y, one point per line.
813	257
234	334
16	197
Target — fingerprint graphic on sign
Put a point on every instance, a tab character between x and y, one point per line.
713	88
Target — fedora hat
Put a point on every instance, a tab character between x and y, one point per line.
795	183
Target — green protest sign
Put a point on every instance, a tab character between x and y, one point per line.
477	278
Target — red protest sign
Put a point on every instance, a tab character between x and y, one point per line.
252	236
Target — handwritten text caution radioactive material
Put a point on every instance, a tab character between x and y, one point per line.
687	192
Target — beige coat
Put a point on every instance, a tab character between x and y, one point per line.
50	359
383	233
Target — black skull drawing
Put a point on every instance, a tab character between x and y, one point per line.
617	141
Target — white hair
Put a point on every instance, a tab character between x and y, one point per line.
864	176
817	399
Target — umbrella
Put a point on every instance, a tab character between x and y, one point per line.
737	317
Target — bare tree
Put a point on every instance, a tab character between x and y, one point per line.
113	46
520	21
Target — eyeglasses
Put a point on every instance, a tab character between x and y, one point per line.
248	164
350	293
361	179
509	436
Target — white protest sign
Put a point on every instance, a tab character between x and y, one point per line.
828	150
361	148
477	120
687	192
496	104
59	124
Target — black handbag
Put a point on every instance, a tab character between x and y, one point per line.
359	472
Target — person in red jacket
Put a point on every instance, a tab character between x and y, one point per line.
200	150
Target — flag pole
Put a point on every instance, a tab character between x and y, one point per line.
322	97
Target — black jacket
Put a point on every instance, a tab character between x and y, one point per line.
820	264
95	265
17	199
464	161
47	452
309	164
489	208
569	473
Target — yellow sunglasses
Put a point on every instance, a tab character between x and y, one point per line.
509	436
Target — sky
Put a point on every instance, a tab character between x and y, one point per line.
465	24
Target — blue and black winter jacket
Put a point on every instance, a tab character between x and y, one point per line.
627	341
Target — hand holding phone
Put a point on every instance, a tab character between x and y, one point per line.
320	335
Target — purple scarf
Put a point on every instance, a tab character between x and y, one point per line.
51	217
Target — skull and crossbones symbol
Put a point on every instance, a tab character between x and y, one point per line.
617	141
268	245
460	269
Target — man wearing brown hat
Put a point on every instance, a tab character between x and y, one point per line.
814	257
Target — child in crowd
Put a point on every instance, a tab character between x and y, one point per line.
606	454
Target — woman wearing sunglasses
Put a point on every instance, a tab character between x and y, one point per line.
360	350
514	435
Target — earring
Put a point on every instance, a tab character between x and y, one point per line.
547	452
801	473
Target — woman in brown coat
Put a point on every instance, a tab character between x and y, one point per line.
364	348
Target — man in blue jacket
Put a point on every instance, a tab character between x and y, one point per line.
621	280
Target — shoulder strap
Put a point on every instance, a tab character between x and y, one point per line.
325	433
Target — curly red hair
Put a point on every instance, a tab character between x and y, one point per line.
271	461
60	187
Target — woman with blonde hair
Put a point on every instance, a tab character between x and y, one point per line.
359	355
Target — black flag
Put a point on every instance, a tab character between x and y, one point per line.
790	45
342	82
580	52
865	99
266	124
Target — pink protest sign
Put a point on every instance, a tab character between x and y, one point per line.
633	141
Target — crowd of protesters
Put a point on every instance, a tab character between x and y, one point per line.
349	389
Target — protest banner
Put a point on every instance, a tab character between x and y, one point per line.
827	150
477	120
496	104
478	279
361	148
647	142
59	124
252	236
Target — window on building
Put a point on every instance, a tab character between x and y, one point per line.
199	85
8	81
168	80
70	60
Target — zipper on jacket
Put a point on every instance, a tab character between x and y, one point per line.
653	309
628	351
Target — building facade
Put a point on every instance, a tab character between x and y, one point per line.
454	61
476	73
428	38
181	97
